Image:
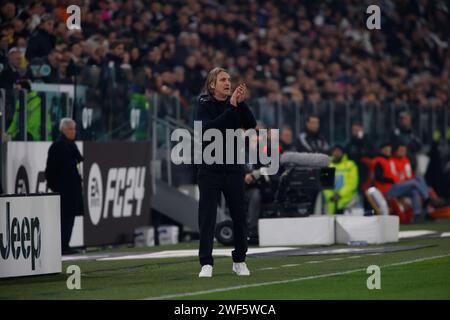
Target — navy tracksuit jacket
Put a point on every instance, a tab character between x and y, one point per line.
217	178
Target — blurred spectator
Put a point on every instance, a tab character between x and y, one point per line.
360	150
311	140
33	116
322	52
8	11
438	172
402	164
404	134
336	56
13	70
389	183
46	68
42	40
114	80
194	76
345	190
287	139
403	170
76	62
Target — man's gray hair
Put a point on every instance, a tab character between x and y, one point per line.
64	122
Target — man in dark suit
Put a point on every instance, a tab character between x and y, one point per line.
219	109
63	177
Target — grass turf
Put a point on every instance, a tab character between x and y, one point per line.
174	277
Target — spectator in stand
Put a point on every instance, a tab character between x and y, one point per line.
287	139
42	42
76	62
438	171
345	190
311	140
316	56
360	150
404	134
388	182
33	116
402	164
11	72
403	170
114	82
8	11
46	69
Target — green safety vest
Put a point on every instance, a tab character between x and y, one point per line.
346	184
33	118
140	102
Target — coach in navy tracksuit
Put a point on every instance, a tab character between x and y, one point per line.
218	110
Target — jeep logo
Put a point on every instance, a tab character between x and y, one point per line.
21	238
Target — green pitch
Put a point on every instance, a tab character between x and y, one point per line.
415	274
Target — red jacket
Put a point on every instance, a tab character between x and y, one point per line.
388	178
403	168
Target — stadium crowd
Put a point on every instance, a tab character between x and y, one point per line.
309	51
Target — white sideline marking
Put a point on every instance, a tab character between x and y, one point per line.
354	257
445	234
190	253
414	233
313	261
335	259
290	265
187	294
268	268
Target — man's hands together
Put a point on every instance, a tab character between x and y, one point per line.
239	95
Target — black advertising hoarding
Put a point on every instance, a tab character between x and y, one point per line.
116	190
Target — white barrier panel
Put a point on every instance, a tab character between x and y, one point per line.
144	237
76	240
30	235
314	230
168	234
373	230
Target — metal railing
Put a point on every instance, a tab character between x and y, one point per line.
378	118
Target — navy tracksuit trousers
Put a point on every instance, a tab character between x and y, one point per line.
211	184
